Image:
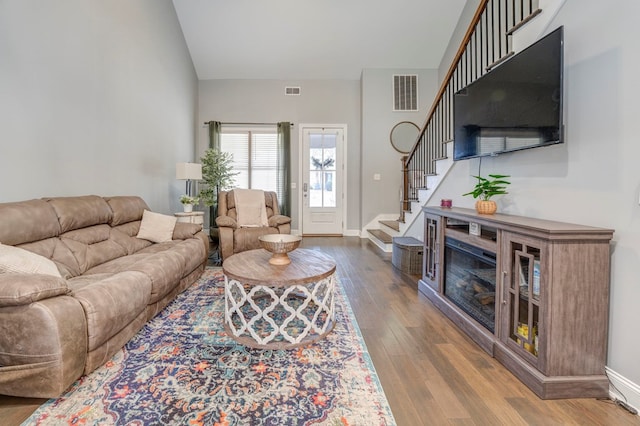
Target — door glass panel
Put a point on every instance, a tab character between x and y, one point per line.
315	189
322	170
329	193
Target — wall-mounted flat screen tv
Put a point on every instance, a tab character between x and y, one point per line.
517	105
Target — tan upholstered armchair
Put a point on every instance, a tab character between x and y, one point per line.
235	237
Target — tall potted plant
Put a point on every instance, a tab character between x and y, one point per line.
487	188
217	175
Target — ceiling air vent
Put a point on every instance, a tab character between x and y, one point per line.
405	93
292	91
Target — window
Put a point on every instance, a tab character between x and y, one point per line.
255	156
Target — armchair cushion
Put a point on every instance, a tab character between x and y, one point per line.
279	219
15	259
156	227
226	221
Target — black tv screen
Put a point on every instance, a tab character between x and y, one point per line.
517	105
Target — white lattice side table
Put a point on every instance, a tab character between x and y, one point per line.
279	306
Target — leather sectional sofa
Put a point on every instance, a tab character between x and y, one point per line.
56	327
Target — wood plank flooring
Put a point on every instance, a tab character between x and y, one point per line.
431	373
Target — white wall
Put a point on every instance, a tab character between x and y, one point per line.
378	118
468	11
593	178
96	97
264	101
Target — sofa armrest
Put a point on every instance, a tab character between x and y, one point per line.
277	219
184	230
23	289
226	222
284	229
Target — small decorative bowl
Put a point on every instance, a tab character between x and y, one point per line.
280	245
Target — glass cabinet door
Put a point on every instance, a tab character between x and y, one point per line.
522	296
431	251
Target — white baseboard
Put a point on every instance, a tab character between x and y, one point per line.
346	233
624	386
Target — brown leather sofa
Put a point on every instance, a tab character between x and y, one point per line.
235	239
55	329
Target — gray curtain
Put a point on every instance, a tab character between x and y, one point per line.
214	142
284	167
214	134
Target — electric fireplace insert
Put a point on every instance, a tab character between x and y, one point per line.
470	280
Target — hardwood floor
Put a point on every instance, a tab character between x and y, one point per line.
431	373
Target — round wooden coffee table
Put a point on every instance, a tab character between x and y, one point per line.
279	306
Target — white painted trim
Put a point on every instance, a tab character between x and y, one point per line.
375	224
629	389
301	128
351	233
386	248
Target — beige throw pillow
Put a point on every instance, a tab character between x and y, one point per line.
156	227
18	260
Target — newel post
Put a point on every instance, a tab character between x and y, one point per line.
404	200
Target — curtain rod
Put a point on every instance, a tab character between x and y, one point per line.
251	124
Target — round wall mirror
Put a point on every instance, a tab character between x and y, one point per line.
403	136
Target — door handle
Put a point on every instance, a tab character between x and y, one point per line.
305	187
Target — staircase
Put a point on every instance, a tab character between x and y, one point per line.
487	43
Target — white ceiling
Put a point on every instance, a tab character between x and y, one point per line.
321	39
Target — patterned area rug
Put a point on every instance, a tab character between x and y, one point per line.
181	368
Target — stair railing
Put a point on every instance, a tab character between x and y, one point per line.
486	44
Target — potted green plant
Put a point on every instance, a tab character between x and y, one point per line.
487	188
217	175
188	202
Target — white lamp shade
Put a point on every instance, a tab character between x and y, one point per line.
188	171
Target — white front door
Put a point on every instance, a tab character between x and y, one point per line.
322	180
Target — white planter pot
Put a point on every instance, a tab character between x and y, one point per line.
188	208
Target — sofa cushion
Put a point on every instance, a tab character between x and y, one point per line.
80	212
126	236
156	227
18	260
27	221
110	302
191	250
22	289
126	209
93	245
184	231
165	269
58	252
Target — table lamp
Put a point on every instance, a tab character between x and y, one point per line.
189	172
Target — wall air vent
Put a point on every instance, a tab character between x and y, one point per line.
405	93
292	91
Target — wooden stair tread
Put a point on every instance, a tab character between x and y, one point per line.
393	224
381	235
